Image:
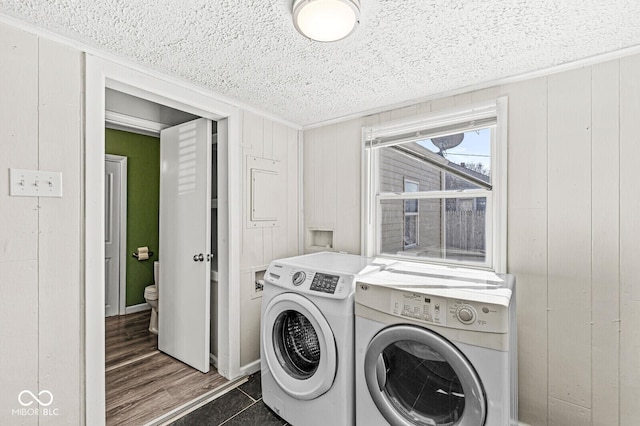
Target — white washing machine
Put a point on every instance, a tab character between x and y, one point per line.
306	338
435	346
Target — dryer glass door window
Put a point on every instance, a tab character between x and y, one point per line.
416	377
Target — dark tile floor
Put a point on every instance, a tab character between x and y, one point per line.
242	406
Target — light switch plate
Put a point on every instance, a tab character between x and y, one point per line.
34	183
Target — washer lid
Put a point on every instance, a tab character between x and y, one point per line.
416	377
298	346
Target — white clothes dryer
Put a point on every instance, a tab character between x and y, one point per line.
435	346
307	337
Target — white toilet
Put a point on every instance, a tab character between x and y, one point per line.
151	296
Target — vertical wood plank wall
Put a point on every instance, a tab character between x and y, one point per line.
19	227
572	232
527	240
264	138
629	231
60	222
40	238
569	240
605	270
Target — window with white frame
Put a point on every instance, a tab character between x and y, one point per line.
435	187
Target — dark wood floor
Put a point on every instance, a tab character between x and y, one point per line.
143	384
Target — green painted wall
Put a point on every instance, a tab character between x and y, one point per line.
143	196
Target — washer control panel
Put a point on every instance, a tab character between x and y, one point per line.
325	283
298	278
308	281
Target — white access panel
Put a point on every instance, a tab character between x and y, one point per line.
267	192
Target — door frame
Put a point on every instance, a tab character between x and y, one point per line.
122	216
101	74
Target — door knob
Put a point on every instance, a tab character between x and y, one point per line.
198	257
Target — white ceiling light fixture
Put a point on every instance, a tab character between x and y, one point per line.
326	20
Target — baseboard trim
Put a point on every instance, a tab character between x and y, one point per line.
214	360
250	368
137	308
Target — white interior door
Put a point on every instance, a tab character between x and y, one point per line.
112	237
185	242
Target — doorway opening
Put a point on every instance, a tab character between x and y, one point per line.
132	151
102	75
133	148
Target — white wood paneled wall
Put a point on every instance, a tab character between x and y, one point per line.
605	243
264	138
40	238
527	241
628	232
569	236
572	233
19	224
332	163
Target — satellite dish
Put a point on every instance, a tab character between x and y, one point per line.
447	142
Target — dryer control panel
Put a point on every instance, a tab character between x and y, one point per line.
450	312
419	307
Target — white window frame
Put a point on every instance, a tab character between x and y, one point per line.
466	118
415	214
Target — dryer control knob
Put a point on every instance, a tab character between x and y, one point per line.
466	314
298	278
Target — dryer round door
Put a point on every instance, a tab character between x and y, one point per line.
299	346
416	377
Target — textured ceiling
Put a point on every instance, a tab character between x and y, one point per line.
248	50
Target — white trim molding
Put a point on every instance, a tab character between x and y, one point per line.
122	281
117	121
